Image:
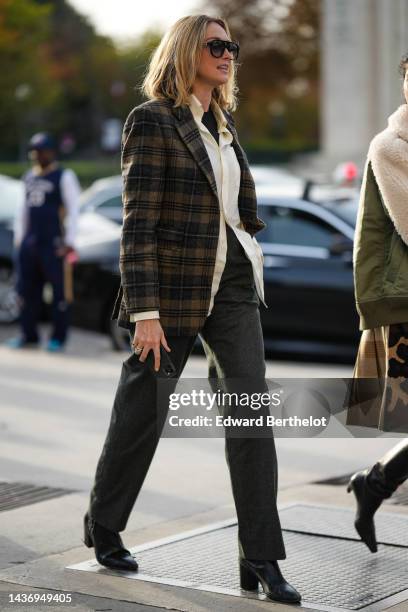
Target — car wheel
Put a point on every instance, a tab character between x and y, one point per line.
119	337
9	304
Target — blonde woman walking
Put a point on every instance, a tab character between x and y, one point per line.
190	265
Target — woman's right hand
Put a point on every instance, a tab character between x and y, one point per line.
149	335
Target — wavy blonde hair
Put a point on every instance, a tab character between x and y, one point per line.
174	63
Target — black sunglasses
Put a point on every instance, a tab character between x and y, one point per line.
217	47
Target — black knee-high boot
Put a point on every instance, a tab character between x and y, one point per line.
372	486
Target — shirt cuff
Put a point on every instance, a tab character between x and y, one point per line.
141	316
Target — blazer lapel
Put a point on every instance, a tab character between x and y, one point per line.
190	134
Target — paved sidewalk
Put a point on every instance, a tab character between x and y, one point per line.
54	415
38	528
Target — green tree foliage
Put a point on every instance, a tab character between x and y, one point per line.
42	69
25	78
57	73
134	60
83	64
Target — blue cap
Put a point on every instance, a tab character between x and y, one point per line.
41	141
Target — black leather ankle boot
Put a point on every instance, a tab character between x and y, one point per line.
269	575
371	487
108	545
368	503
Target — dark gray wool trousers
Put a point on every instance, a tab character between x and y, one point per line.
233	342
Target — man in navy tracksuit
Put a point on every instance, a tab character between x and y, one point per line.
44	236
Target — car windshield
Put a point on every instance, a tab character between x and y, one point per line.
269	175
99	191
347	211
88	195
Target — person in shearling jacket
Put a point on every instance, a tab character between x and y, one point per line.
378	395
190	265
381	280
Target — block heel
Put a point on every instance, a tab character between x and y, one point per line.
268	575
248	580
87	536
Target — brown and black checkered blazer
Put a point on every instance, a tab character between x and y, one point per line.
171	217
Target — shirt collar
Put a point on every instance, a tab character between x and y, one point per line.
198	112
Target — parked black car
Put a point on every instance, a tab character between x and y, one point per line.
308	275
104	196
97	277
307	272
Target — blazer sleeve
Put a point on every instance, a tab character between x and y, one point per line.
143	173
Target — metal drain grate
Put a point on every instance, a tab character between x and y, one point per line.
332	522
18	494
333	575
